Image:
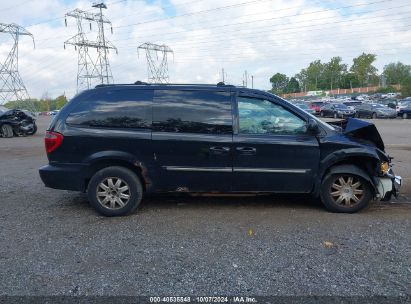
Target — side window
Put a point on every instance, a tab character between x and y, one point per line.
259	116
115	109
192	112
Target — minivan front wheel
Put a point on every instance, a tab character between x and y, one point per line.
345	193
115	191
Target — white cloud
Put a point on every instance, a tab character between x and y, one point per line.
269	36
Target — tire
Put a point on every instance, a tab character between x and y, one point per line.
32	132
322	114
404	115
344	202
113	200
335	115
374	116
6	131
357	115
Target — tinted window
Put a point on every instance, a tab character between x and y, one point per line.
114	109
259	116
192	112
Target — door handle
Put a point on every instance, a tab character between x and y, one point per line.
247	150
219	150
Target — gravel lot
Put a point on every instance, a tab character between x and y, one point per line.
53	243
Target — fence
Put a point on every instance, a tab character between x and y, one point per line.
343	91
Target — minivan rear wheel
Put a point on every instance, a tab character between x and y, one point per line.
404	115
345	193
115	191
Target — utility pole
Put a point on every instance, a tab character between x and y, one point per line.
252	81
245	82
222	72
12	87
91	70
157	68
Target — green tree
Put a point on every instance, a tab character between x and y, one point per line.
349	81
396	73
302	79
333	72
279	83
406	87
364	70
60	102
314	72
293	86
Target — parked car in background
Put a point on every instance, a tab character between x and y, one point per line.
336	110
405	112
403	104
393	95
375	110
15	122
316	106
352	104
305	108
121	142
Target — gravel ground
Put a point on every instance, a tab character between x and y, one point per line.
53	243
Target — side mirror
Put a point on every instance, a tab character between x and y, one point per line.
312	126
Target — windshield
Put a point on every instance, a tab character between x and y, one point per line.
303	106
378	106
3	110
340	106
319	121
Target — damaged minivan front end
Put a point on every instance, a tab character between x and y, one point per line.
364	140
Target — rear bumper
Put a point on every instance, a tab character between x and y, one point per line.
65	177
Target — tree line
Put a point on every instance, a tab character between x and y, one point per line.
335	74
45	104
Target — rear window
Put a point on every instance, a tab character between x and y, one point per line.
114	109
192	112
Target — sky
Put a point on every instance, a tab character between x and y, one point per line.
262	37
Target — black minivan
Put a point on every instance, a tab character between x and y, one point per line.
120	142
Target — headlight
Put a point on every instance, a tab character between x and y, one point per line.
385	167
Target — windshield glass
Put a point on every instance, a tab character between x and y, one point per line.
319	121
340	106
303	106
3	109
378	106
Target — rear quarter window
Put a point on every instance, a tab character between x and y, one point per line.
114	109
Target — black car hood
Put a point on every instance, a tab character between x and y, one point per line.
362	130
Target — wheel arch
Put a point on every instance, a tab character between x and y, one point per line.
106	159
361	163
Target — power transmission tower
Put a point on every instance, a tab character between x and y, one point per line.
157	66
91	70
11	85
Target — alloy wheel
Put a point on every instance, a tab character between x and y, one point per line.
113	193
347	191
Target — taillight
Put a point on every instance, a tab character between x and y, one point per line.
52	141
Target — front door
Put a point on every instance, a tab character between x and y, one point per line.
192	140
273	151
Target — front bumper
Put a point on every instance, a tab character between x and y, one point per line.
388	186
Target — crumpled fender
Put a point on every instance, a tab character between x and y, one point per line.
341	155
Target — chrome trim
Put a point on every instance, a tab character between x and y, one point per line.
227	169
267	170
197	169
